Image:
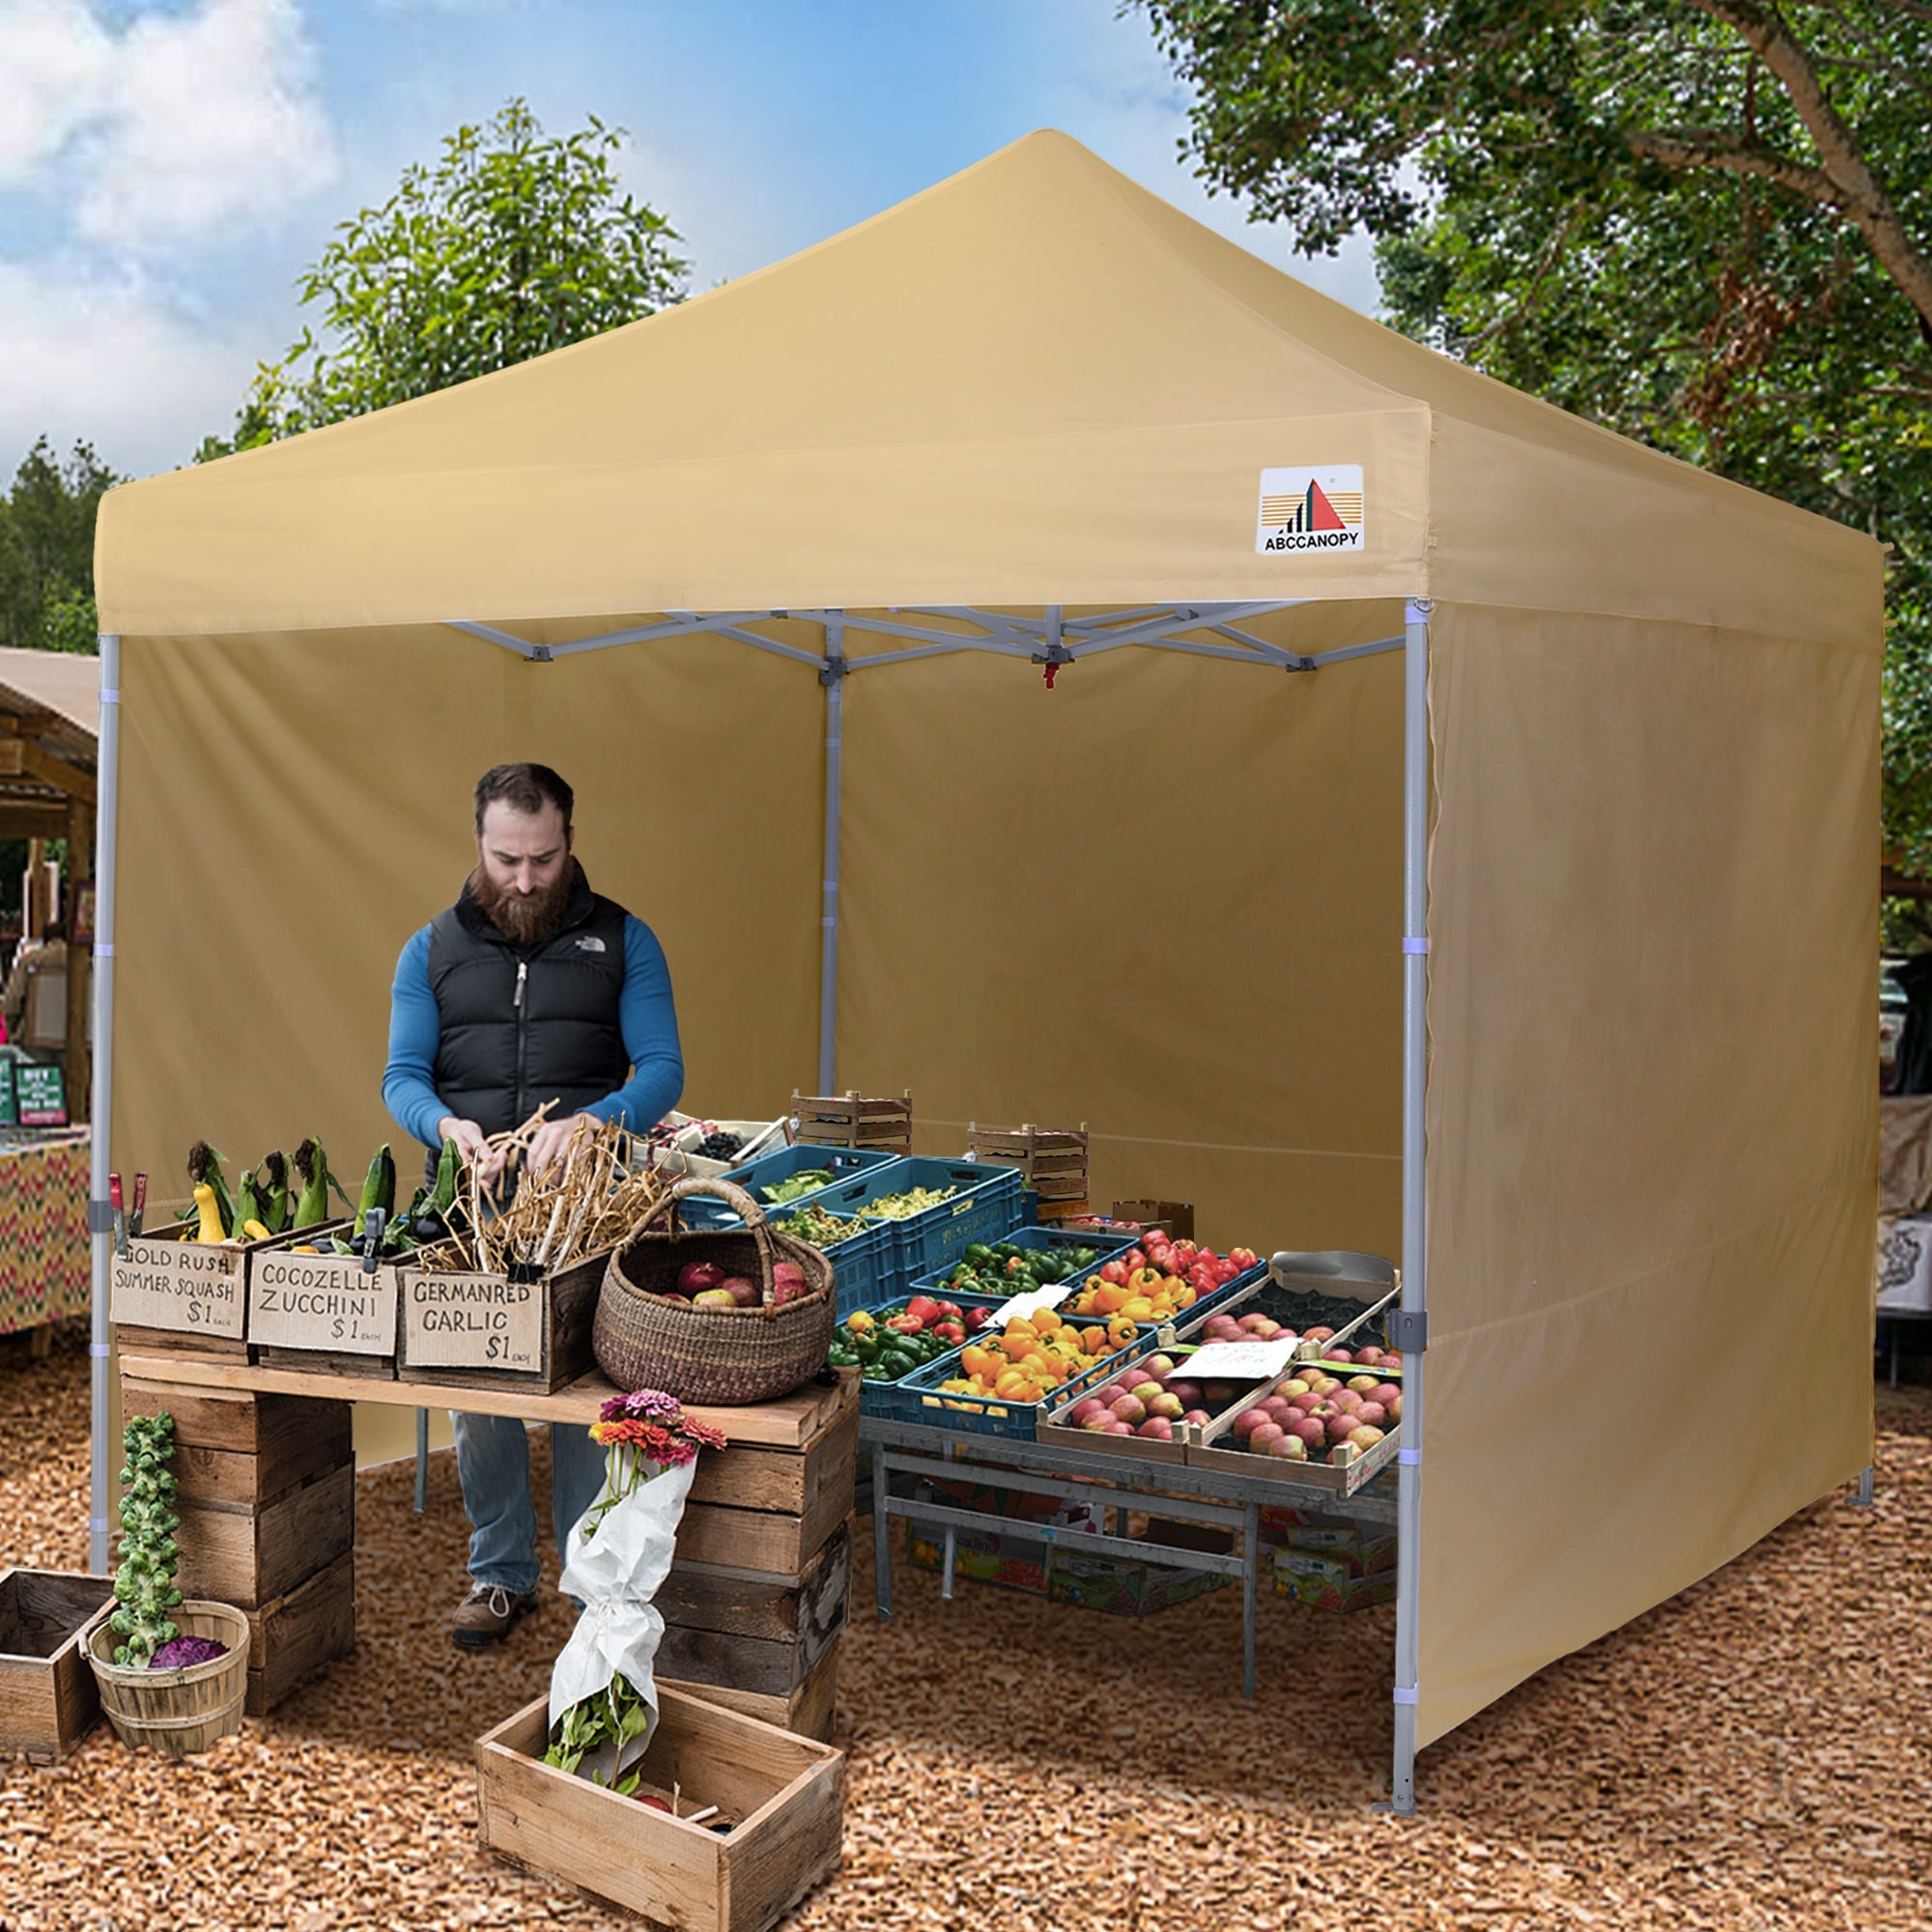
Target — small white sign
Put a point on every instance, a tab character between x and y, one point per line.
1030	1303
1310	511
1241	1361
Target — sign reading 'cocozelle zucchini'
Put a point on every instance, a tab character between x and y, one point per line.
322	1301
166	1280
473	1322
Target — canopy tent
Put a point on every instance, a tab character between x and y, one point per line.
1572	742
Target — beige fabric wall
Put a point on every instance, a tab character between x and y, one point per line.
295	808
1164	898
1652	1118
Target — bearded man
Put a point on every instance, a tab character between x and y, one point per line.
529	989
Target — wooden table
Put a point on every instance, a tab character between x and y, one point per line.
755	1603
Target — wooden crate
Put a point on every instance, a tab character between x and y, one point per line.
250	1558
750	1510
322	1311
751	1631
487	1331
299	1633
48	1700
238	1452
852	1121
1052	1160
807	1712
786	1793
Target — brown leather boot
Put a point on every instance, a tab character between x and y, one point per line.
488	1615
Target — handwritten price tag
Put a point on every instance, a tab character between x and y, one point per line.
1242	1361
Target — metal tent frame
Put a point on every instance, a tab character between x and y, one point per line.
1051	641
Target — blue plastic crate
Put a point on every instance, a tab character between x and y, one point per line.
872	1396
1105	1246
768	1170
918	1398
859	1265
986	1207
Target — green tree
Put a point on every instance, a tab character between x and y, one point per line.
1705	223
514	243
47	549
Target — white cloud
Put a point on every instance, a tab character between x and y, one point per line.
101	356
55	63
177	125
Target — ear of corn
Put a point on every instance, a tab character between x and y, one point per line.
270	1192
312	1166
204	1169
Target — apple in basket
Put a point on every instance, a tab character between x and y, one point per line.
742	1290
788	1283
714	1298
695	1277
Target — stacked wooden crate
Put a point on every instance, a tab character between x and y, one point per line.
268	1521
1052	1160
756	1598
852	1121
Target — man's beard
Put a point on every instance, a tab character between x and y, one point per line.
525	922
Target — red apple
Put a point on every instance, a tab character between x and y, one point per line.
1268	1432
1308	1431
1371	1415
1290	1448
744	1292
1251	1419
1156	1428
1199	1417
694	1277
1129	1410
1385	1393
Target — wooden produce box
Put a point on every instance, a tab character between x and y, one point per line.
756	1598
267	1521
48	1700
167	1292
322	1311
1052	1160
1204	1450
783	1795
487	1331
1053	1427
850	1120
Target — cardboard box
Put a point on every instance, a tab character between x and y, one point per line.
1326	1593
1347	1550
1175	1216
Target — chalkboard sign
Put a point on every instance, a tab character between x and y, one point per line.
40	1095
8	1117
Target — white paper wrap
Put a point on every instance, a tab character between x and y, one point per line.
615	1573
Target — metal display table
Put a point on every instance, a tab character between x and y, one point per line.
1169	1490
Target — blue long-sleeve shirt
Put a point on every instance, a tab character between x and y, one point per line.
645	1015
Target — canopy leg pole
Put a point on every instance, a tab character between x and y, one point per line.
1411	1332
833	678
101	1114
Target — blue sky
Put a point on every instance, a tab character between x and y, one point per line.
167	167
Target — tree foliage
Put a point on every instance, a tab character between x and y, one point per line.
47	550
513	244
1705	223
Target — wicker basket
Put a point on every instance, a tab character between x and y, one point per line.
178	1712
644	1338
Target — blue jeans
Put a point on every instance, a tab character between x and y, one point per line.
493	1460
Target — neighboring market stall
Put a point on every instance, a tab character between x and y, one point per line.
1028	650
48	704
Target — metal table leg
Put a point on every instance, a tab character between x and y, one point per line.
945	1575
422	1460
1251	1565
882	1537
1864	1496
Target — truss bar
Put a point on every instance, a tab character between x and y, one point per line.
1274	653
492	636
995	629
1375	649
1272	661
771	644
676	624
936	651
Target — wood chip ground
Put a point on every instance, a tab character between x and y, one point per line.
1756	1753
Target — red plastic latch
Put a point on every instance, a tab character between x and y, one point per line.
1052	671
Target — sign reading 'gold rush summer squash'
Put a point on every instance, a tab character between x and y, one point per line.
166	1280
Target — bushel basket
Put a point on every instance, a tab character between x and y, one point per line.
645	1338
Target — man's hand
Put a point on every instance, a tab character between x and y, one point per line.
473	1145
551	1138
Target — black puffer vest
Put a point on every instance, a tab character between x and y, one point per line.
526	1024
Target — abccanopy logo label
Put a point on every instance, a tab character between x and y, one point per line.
1314	510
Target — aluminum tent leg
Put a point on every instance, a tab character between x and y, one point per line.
101	1102
1411	1329
833	677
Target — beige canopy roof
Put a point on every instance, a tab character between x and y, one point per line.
1164	898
